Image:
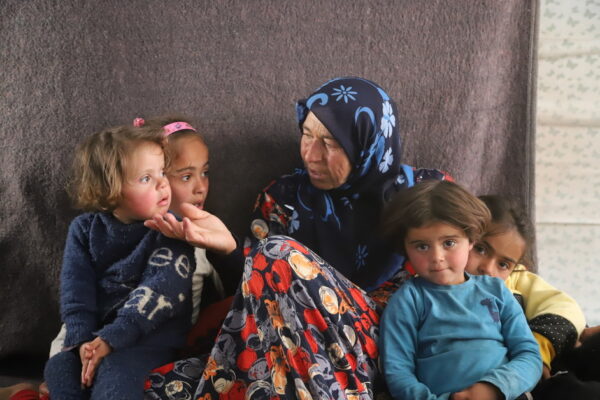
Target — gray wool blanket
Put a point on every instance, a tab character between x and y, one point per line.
462	73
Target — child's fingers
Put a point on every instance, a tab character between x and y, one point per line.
91	370
102	349
84	368
89	376
91	346
87	352
96	343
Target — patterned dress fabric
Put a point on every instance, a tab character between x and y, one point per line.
297	329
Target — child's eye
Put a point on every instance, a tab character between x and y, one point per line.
479	249
145	179
505	265
422	247
186	178
205	174
449	243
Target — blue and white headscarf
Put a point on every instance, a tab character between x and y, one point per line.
341	224
363	118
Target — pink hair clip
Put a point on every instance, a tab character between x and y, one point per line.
138	122
176	127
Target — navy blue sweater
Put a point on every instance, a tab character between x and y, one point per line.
125	283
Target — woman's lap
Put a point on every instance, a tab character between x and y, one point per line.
296	326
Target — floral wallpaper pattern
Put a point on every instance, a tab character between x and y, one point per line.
568	150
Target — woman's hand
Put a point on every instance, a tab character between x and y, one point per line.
478	391
199	228
167	225
91	353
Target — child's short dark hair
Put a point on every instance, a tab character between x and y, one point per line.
507	214
430	202
98	173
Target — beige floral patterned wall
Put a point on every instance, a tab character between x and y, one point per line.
568	150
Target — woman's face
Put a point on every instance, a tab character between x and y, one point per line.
324	158
496	255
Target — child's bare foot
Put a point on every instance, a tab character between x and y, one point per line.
7	392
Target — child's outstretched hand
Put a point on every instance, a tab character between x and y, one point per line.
199	228
91	353
478	391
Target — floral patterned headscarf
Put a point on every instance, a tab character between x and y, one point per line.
341	224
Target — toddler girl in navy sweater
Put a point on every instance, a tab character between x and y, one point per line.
125	289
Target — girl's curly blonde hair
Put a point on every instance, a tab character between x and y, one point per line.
98	168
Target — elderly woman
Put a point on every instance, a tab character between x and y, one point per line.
301	323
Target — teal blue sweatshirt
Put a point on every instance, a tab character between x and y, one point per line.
436	340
